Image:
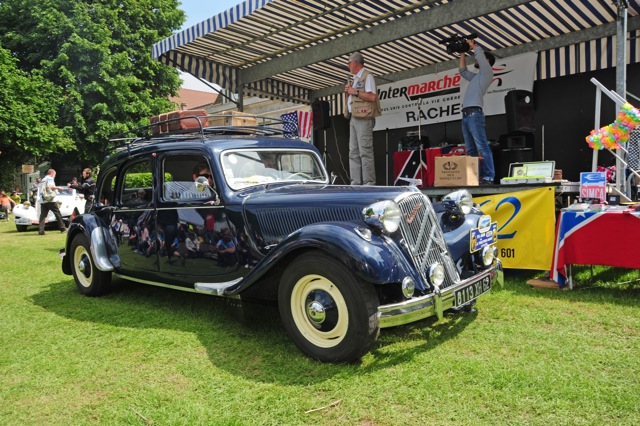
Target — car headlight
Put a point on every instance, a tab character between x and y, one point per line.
27	204
488	254
436	274
460	199
384	215
408	287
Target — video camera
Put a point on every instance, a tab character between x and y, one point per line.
457	43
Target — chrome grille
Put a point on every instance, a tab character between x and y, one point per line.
424	239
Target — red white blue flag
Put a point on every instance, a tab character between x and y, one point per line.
607	238
410	168
297	124
305	123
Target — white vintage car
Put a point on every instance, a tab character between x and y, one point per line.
69	202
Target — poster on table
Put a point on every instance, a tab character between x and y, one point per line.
526	226
437	98
593	185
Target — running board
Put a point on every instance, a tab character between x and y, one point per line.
215	289
211	289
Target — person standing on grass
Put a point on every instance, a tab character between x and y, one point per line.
33	191
7	204
49	206
15	196
86	187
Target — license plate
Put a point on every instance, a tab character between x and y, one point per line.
482	238
472	291
22	221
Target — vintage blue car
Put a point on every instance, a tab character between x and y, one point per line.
245	214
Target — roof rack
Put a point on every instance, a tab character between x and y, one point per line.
183	125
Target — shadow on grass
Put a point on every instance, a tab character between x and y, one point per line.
249	342
420	337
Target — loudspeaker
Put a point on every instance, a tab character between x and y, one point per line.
321	118
519	107
516	140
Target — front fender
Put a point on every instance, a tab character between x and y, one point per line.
378	260
102	244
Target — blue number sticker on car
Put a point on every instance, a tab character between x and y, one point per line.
483	237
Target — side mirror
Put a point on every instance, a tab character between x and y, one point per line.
202	183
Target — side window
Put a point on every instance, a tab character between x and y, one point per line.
137	184
106	191
179	175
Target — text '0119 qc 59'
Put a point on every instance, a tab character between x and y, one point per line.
241	212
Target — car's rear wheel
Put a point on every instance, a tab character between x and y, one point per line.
90	280
329	313
21	228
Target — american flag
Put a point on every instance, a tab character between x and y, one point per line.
297	123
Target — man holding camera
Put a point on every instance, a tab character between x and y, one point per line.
473	124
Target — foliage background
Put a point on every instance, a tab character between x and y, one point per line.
74	73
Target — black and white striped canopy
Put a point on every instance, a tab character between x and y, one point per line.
298	49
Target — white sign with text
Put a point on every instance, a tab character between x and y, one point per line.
437	98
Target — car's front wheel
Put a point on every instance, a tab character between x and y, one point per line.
90	280
21	228
329	313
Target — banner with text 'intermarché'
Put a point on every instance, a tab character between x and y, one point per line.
526	226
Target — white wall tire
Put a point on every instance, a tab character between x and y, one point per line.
89	279
323	322
328	312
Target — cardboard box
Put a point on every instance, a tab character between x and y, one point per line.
456	171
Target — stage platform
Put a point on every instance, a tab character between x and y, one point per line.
565	191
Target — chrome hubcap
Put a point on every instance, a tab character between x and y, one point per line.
83	266
321	310
316	312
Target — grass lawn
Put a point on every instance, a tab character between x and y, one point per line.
145	355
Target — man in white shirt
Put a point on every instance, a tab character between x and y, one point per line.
47	206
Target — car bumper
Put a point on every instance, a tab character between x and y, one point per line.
434	304
24	221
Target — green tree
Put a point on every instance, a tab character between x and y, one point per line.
98	55
29	107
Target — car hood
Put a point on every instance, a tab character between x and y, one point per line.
275	212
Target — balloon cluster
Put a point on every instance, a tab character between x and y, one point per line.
616	133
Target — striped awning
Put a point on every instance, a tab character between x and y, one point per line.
297	50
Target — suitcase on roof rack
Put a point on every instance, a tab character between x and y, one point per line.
179	123
161	127
233	118
164	127
153	120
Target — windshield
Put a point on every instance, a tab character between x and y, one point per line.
66	191
244	168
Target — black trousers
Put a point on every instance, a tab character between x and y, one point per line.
45	208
